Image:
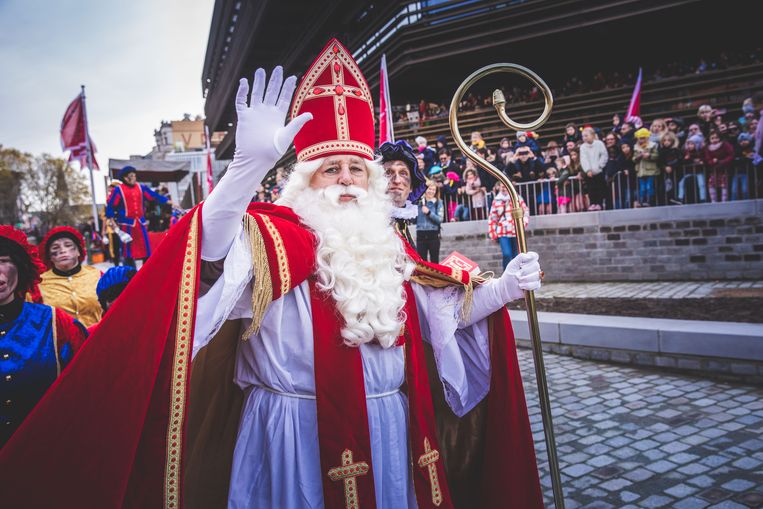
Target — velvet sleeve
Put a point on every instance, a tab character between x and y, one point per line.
70	334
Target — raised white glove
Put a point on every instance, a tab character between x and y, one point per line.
260	133
522	273
261	140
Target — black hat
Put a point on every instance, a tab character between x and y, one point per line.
401	151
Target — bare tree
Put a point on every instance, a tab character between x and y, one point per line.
55	192
14	166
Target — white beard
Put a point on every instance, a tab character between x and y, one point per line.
360	259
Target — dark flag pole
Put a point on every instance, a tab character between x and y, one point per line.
90	163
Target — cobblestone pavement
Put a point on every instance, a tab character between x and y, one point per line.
653	290
631	438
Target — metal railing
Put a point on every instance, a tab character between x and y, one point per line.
687	184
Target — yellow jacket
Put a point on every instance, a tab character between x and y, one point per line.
74	294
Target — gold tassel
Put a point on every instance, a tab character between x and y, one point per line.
262	288
466	308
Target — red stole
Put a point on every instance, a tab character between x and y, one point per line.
343	433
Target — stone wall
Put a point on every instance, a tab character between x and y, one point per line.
689	242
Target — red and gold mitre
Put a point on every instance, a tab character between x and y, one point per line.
334	90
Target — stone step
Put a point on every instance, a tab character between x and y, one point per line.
707	346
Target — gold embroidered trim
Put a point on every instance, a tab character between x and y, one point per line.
347	473
262	288
183	331
325	147
428	460
283	261
55	341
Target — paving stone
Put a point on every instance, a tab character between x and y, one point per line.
738	485
656	501
691	503
699	446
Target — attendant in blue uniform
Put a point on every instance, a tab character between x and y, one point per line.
126	204
36	341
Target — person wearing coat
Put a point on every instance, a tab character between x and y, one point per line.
645	155
593	159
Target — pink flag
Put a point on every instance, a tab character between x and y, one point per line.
634	108
386	132
210	174
74	134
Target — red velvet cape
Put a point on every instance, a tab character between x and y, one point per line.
110	431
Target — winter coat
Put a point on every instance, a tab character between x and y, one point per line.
500	221
724	154
647	165
593	156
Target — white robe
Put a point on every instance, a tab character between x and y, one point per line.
276	460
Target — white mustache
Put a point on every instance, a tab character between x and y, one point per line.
332	193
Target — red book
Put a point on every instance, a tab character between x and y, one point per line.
458	261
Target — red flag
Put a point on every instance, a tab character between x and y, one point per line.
210	174
386	132
634	108
74	135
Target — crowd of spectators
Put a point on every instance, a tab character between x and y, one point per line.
714	157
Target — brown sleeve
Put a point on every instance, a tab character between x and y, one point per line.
210	273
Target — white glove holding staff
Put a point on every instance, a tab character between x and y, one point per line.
261	140
522	273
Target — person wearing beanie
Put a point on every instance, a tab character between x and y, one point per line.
406	183
718	156
645	156
477	142
423	148
112	284
525	139
571	133
693	168
68	284
593	159
37	341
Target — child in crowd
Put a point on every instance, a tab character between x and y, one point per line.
629	173
546	192
669	158
718	155
743	156
645	157
693	167
525	139
501	226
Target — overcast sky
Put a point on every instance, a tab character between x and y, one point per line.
139	60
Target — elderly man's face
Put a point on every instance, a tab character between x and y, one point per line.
399	176
343	170
9	279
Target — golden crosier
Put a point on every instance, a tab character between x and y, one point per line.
499	102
